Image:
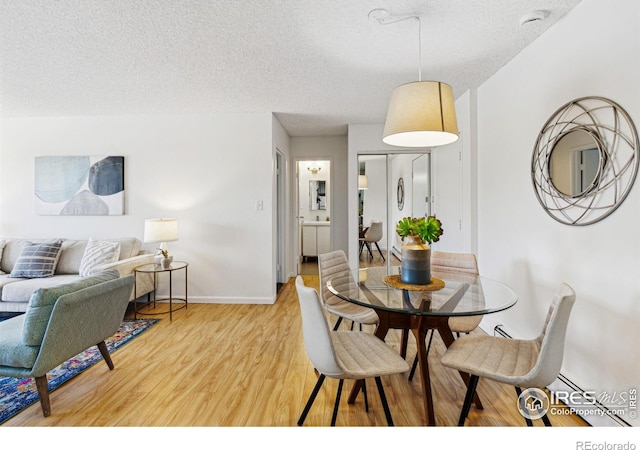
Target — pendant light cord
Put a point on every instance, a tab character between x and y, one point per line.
389	20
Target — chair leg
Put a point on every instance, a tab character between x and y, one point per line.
43	392
369	251
414	366
337	403
105	354
380	251
468	398
383	399
338	322
364	392
312	398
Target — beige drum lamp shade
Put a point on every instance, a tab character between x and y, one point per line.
421	114
161	230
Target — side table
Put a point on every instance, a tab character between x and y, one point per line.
155	269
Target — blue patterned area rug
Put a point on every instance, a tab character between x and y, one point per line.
18	393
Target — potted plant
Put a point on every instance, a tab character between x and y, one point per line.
416	253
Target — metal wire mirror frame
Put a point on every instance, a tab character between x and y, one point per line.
616	138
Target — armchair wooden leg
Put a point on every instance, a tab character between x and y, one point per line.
105	354
43	392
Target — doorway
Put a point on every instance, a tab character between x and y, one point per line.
313	216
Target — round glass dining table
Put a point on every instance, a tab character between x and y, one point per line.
420	308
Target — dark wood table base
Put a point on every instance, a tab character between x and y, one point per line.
419	326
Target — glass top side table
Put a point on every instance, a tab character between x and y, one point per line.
156	269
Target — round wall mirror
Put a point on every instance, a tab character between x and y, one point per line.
576	163
400	193
585	160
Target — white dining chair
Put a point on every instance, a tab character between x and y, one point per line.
332	264
520	363
460	267
355	355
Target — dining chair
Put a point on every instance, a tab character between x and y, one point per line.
336	263
461	267
533	363
355	355
372	235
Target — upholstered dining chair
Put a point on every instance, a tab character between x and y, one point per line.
329	265
343	355
521	363
372	235
457	266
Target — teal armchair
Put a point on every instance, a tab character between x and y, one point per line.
61	322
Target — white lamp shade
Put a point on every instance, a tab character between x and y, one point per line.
160	230
363	182
421	114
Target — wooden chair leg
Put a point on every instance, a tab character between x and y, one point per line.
43	392
312	398
102	346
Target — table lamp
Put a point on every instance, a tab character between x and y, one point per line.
161	230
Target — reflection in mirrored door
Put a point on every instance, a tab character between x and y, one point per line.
397	185
372	210
421	185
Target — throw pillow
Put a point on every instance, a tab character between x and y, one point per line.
97	254
37	260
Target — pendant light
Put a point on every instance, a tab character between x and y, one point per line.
421	113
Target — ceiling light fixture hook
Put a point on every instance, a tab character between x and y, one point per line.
384	17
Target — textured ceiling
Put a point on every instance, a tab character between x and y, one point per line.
317	64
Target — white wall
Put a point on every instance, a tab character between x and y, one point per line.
205	170
593	51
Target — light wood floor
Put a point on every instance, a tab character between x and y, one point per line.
245	365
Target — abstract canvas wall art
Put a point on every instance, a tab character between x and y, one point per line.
79	185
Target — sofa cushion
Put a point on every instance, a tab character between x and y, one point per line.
37	260
42	302
20	290
98	253
129	246
13	352
72	252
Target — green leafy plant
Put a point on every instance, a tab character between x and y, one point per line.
428	229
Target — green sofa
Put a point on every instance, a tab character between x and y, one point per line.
61	322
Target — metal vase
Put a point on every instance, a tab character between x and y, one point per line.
416	262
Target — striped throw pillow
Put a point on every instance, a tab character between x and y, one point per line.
97	254
37	260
